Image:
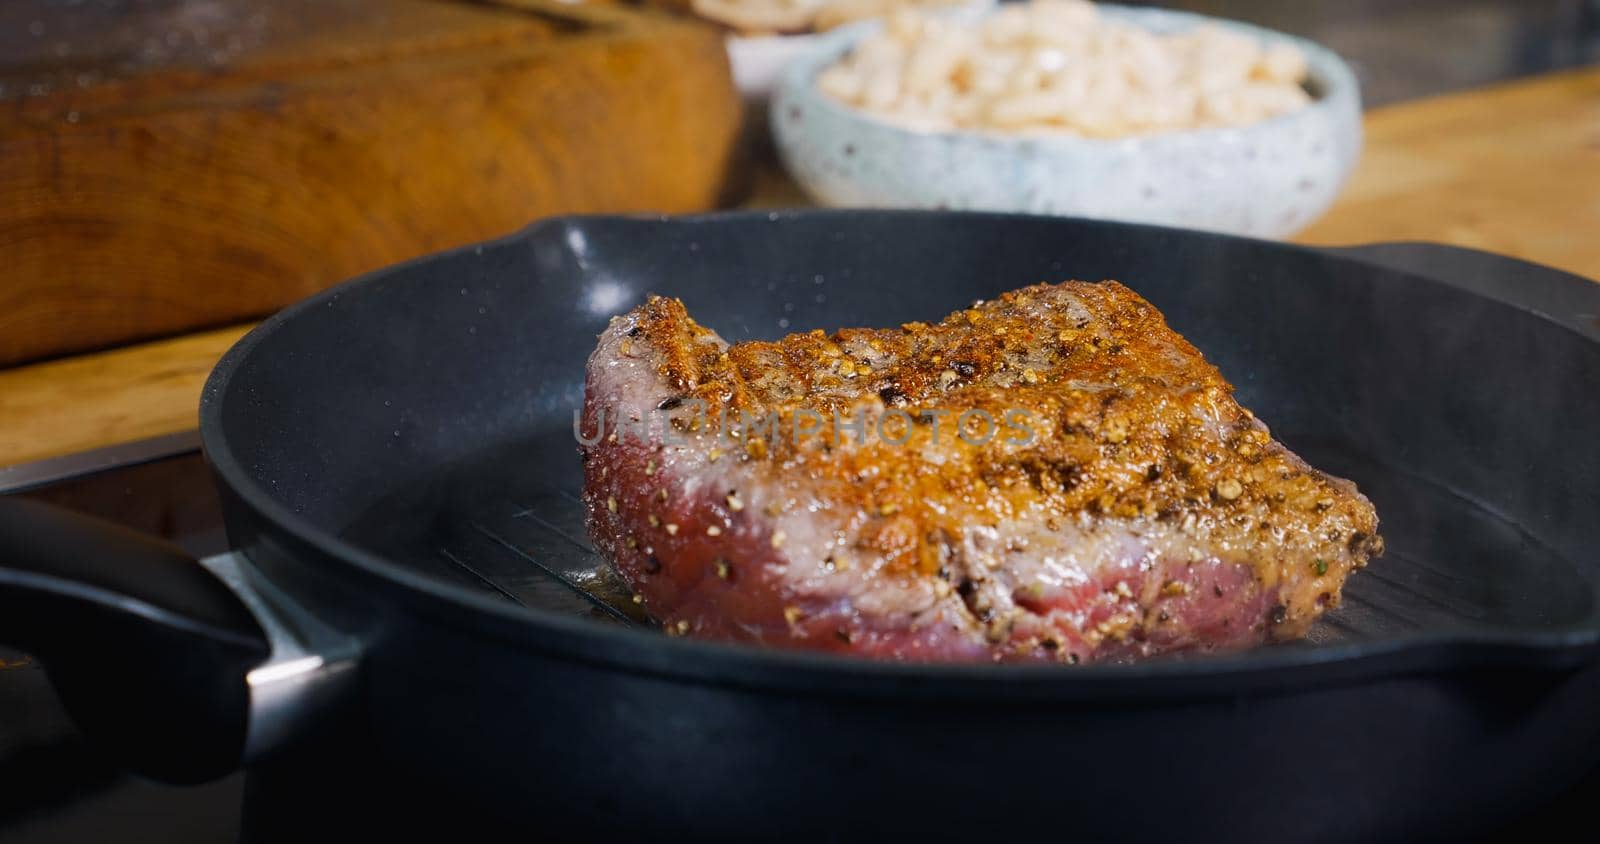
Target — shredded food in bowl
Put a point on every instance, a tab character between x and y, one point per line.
1061	67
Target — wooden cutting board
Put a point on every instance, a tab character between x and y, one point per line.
168	165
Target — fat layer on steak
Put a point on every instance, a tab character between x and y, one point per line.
837	491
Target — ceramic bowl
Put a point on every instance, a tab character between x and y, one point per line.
1267	179
758	61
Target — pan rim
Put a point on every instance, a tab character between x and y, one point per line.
771	669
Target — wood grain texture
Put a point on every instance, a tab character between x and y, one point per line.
1513	169
76	404
185	185
1524	139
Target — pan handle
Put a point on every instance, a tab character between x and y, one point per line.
180	666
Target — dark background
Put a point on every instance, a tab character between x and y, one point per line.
1403	49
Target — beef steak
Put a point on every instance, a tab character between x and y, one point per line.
1052	475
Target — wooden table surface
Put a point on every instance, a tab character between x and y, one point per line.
1513	169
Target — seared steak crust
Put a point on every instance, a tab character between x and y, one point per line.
1122	505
